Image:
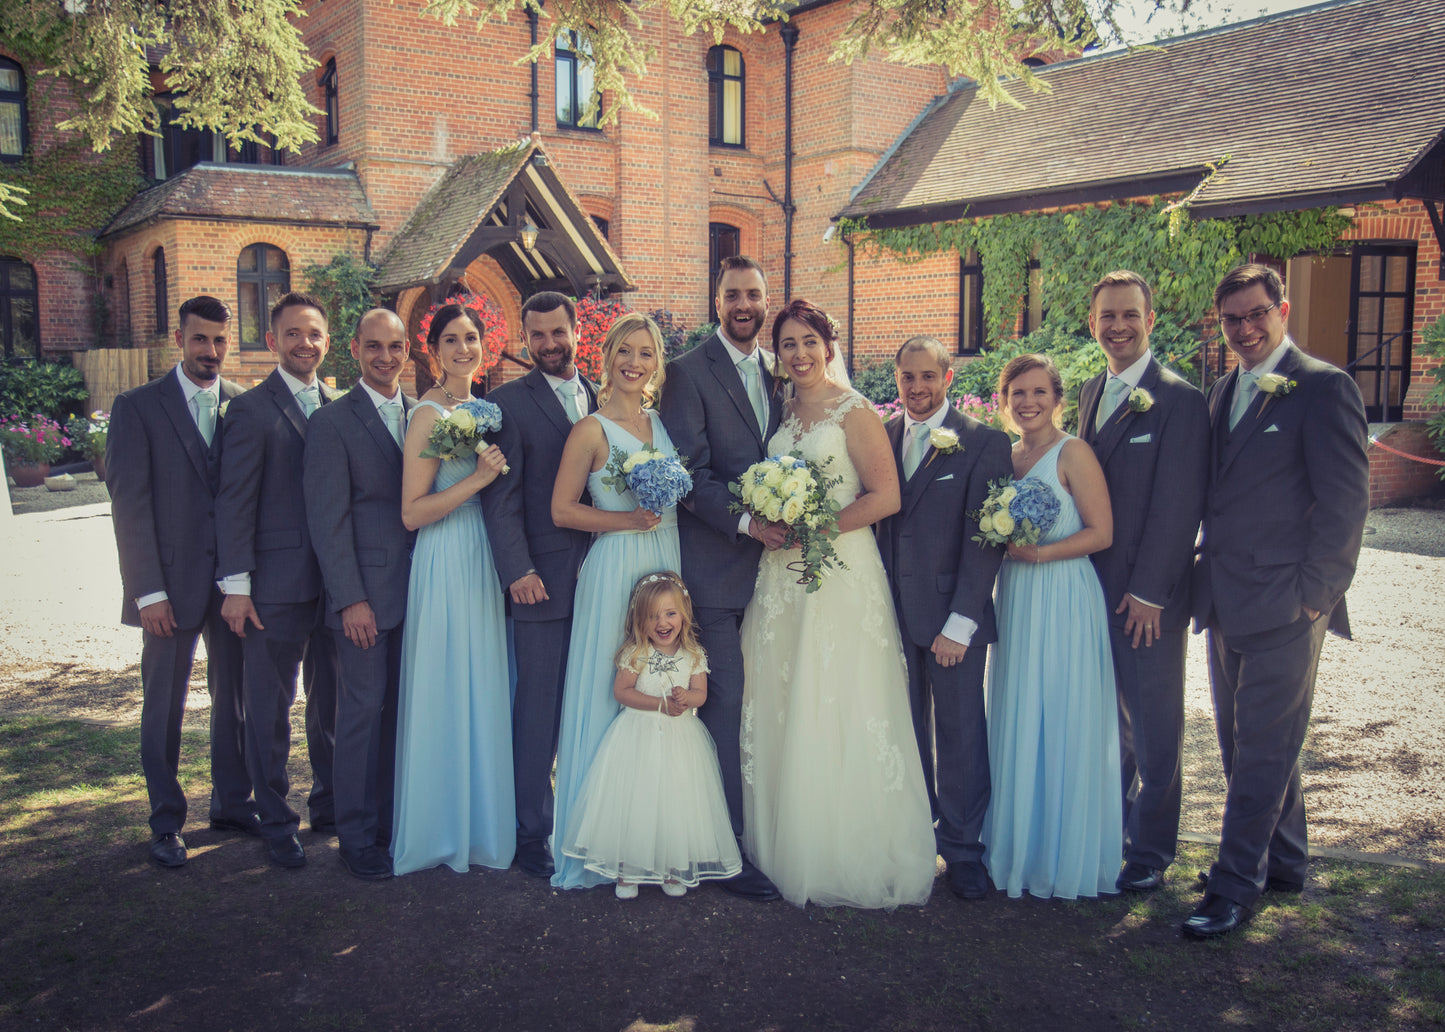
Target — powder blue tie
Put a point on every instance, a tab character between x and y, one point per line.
309	398
1114	391
391	413
753	383
917	445
570	402
205	406
1244	390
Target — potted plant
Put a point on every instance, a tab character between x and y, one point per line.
30	446
88	434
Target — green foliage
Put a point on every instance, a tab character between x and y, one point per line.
33	440
697	335
1432	342
874	380
344	285
677	339
88	433
51	389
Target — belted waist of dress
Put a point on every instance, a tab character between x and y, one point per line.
669	519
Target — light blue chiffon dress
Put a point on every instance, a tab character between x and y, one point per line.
604	586
454	798
1054	824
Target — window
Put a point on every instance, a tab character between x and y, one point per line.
723	241
177	149
249	152
725	97
12	111
574	83
603	226
329	102
158	272
263	274
970	304
19	309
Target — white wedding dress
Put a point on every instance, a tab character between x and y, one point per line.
834	805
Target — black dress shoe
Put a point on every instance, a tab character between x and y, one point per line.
169	850
369	863
1136	877
286	851
751	883
1292	888
533	859
246	824
1214	916
323	825
968	879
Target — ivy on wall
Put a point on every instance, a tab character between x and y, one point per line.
1074	248
345	285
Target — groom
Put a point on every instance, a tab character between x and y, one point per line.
720	407
943	592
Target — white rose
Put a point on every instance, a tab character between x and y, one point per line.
795	484
774	476
463	420
772	509
635	459
942	438
985	524
1270	382
1003	522
1009	494
792	510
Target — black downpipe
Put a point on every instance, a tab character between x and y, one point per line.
789	32
532	19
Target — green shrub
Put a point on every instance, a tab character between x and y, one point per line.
874	380
52	389
345	286
1432	342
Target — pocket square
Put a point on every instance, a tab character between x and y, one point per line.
946	476
1141	439
1271	429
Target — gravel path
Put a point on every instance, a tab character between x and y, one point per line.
1375	755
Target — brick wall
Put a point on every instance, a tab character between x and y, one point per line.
1396	478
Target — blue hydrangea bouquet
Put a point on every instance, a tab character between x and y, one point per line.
463	430
1015	512
656	480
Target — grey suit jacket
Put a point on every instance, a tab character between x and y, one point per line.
933	566
518	506
710	419
261	519
353	508
1289	490
1155	463
162	480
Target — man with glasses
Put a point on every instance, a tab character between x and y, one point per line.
1284	515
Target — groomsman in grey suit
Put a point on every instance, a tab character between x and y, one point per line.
353	511
267	566
943	592
1150	431
163	458
720	406
1289	489
537	561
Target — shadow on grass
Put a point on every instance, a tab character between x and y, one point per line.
92	936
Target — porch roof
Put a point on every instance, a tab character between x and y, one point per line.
1337	103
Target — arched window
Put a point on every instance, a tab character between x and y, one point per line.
725	97
723	241
12	110
574	83
19	309
158	273
263	274
329	102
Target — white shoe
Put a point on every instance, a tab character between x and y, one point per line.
626	890
674	889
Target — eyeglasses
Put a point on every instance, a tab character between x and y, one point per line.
1254	318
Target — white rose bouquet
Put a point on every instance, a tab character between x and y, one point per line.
789	489
1015	512
463	430
656	480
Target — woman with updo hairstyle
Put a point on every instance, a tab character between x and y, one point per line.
454	803
630	543
1054	826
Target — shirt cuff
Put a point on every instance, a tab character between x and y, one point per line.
745	521
1136	598
151	599
236	584
960	629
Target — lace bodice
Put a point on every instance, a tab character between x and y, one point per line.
824	442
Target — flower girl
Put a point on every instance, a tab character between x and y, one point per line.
651	809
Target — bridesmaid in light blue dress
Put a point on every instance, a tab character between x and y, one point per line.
630	543
1054	825
454	800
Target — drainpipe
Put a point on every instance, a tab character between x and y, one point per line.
532	19
848	242
789	32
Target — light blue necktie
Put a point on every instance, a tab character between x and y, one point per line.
917	445
1244	389
309	398
391	413
1114	391
205	406
753	384
570	403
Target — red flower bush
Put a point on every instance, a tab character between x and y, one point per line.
494	326
594	319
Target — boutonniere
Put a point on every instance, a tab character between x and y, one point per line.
1275	384
221	412
1140	400
944	440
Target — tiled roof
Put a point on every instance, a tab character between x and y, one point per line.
263	193
449	214
1325	104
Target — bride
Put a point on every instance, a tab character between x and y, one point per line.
834	805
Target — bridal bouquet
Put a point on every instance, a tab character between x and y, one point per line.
462	431
657	481
1015	512
791	490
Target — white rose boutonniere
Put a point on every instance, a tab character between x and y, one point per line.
1276	385
1140	400
943	440
221	412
